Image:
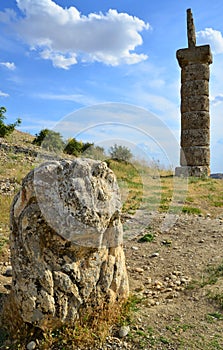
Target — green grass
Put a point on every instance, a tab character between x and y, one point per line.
148	237
216	315
191	210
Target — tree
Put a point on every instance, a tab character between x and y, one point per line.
120	153
7	129
95	152
50	140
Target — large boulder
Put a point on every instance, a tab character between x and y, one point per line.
66	242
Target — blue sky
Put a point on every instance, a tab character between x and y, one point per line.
59	57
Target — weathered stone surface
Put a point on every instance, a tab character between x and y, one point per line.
197	171
195	137
200	86
196	71
195	120
195	156
190	29
194	55
66	241
194	103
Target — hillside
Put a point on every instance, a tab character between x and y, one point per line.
173	255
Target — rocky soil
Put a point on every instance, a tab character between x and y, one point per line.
175	275
176	299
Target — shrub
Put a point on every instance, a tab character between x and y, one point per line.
95	152
7	129
74	147
49	139
77	148
120	153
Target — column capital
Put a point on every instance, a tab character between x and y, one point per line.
196	54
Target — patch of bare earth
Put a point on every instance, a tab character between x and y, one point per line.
175	277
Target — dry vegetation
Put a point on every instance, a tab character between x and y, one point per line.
147	189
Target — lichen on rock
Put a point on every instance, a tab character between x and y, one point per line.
66	241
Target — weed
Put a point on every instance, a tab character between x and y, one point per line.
148	237
211	275
3	242
189	199
218	204
164	340
150	330
216	315
218	299
131	304
194	180
185	327
141	333
90	330
191	210
5	203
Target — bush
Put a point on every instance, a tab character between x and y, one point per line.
74	147
77	148
120	153
6	130
50	140
95	152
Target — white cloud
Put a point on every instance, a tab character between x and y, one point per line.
216	100
65	36
212	37
78	98
3	94
59	60
9	65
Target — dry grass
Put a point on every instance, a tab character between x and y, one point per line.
90	330
5	203
149	189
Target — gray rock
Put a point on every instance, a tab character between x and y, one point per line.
66	241
124	331
31	345
8	272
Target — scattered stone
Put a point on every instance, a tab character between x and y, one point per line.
139	288
31	346
154	255
139	270
124	331
8	272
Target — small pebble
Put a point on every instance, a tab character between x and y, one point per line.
154	255
124	331
139	269
8	272
31	345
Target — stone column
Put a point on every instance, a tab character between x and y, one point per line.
195	119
